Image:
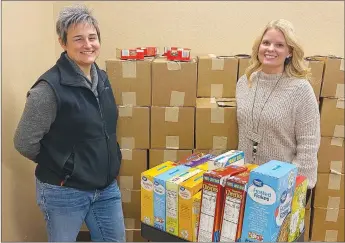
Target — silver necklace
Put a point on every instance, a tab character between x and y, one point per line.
253	133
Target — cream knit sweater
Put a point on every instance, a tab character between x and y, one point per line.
289	124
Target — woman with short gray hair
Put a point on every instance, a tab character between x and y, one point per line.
68	128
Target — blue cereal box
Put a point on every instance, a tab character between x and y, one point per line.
159	195
268	205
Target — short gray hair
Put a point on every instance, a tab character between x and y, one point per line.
74	15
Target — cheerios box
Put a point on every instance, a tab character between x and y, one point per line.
159	195
172	190
268	203
298	208
234	202
212	197
189	207
147	190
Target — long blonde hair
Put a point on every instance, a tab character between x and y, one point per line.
295	67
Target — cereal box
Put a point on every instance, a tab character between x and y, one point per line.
234	202
298	208
196	214
212	202
268	204
188	206
172	191
192	157
159	195
200	161
234	157
147	190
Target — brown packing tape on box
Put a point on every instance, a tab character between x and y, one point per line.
173	66
333	202
172	142
340	103
337	142
336	166
219	142
125	111
177	98
217	63
126	182
129	69
170	155
331	236
129	98
334	181
217	115
216	90
338	131
332	214
171	114
127	142
127	154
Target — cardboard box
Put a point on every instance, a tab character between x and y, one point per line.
158	156
131	203
133	163
212	202
217	76
317	66
332	118
331	155
328	225
174	83
147	190
189	207
268	204
172	200
297	226
159	195
243	63
133	127
130	81
133	230
215	127
333	80
329	191
233	208
307	225
172	127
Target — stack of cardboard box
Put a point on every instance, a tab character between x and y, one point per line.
173	109
328	204
131	84
216	121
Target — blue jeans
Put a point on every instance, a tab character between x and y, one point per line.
65	209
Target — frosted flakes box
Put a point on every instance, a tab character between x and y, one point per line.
268	204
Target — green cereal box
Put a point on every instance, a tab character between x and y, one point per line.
298	208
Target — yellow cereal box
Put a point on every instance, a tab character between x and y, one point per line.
298	208
187	203
172	199
147	190
196	214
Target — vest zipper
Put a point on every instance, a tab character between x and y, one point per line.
106	135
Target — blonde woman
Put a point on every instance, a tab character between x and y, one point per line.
277	111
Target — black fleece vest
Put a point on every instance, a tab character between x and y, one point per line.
80	150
